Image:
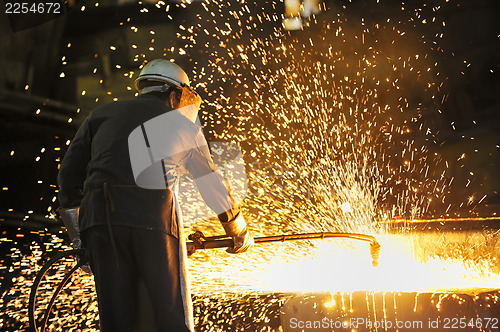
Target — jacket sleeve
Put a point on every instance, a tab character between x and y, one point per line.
210	183
73	169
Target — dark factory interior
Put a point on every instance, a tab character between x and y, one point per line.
379	117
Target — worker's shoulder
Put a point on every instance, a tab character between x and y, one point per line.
172	127
126	104
127	111
172	120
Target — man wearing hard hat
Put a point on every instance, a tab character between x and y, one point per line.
126	206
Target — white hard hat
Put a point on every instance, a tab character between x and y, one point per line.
162	70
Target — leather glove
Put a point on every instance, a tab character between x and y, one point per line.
70	219
190	249
237	229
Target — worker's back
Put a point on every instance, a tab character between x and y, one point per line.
110	126
106	134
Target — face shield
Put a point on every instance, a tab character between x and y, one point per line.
189	97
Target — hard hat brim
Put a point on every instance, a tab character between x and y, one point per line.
159	79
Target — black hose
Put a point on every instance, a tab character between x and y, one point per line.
54	296
36	284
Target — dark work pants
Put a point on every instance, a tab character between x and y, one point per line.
142	256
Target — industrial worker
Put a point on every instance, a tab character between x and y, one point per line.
131	229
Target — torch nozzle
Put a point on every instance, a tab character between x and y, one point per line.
375	253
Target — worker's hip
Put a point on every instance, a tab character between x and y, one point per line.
132	242
143	209
143	271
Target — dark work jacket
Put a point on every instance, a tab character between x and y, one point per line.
99	154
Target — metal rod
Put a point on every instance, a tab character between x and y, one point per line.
322	235
211	243
217	242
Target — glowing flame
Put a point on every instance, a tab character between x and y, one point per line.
342	265
346	207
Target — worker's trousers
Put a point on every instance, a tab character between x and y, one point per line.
141	258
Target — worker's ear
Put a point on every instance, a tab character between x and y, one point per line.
174	100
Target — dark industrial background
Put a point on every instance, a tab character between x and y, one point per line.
54	69
48	86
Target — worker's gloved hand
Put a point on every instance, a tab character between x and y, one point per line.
83	262
70	218
190	249
242	243
237	229
81	256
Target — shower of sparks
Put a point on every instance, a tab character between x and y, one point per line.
324	116
332	123
335	129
